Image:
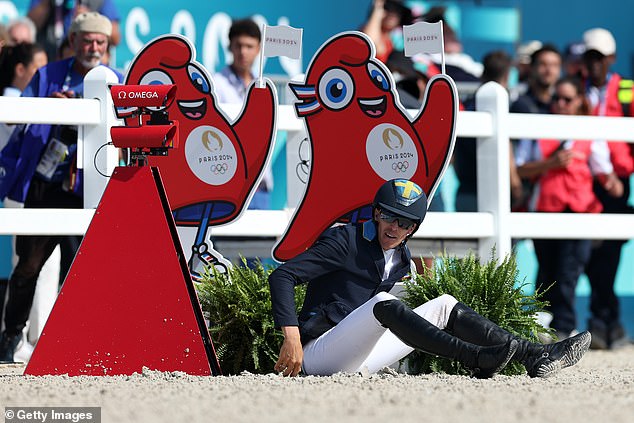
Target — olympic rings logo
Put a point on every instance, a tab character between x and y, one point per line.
219	169
400	167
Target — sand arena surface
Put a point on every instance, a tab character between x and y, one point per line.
599	388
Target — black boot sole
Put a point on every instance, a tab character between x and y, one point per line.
573	354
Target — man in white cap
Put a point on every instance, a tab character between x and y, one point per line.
37	167
609	95
89	36
53	19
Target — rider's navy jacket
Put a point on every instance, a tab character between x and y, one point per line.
343	270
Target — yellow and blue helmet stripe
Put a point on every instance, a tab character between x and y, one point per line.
407	192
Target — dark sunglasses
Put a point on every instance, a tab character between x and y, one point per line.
403	222
566	100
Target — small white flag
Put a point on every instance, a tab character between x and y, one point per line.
282	40
423	37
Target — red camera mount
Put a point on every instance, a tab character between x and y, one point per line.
148	130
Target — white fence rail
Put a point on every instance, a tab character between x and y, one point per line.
493	225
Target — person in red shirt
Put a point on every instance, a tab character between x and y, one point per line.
602	89
563	173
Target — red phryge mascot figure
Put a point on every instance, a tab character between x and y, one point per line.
211	177
360	136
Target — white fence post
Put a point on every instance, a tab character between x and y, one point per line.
95	155
492	156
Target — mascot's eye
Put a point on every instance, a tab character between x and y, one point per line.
379	77
199	79
336	88
156	77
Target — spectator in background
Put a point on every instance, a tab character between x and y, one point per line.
602	89
232	82
18	64
523	62
497	66
36	167
53	18
386	17
573	61
22	30
563	174
545	71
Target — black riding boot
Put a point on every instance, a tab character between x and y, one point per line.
418	333
539	360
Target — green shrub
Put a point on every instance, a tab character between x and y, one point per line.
491	289
238	306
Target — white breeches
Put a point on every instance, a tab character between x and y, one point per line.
360	343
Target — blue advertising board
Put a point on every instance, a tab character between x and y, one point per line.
207	24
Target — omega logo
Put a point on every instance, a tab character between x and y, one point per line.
138	94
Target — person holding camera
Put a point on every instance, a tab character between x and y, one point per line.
37	167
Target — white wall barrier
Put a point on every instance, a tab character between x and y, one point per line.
493	225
